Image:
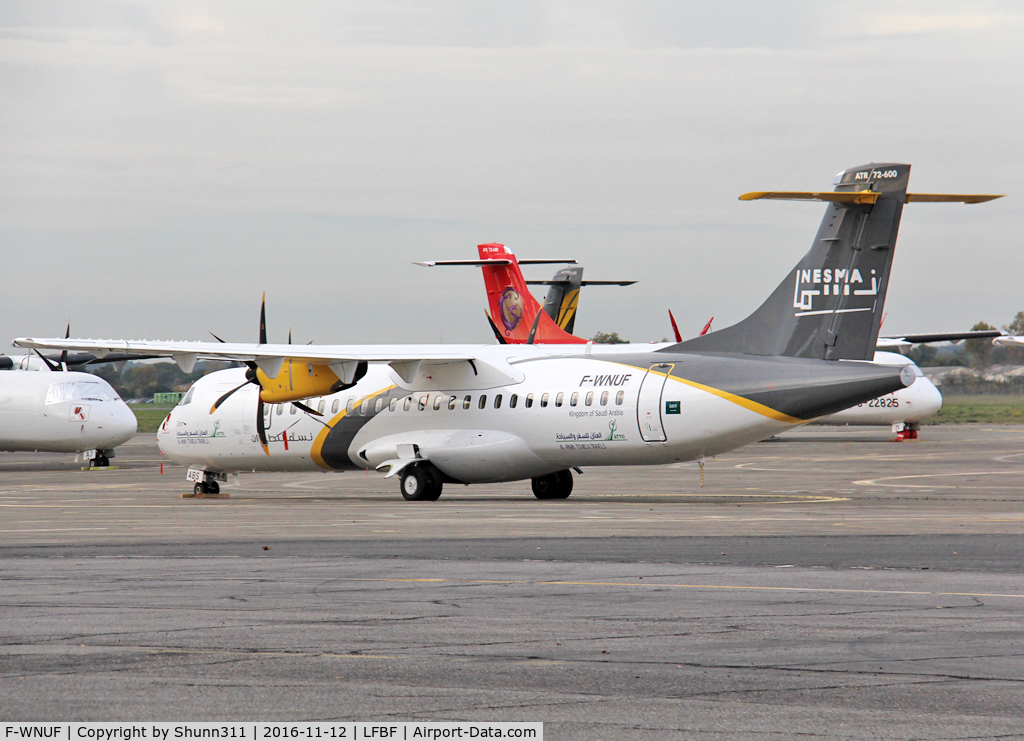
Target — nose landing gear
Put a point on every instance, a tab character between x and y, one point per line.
205	484
98	459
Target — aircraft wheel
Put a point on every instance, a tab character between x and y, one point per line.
212	487
421	484
100	461
199	489
556	485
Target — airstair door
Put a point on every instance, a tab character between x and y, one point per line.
648	405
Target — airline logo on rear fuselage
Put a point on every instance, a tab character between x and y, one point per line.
830	282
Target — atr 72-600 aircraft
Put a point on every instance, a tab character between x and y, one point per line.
468	414
903	409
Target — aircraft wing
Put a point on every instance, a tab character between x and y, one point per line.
421	367
1008	340
943	336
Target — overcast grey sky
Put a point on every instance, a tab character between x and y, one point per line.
164	163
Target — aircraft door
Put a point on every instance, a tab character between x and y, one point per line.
268	415
648	403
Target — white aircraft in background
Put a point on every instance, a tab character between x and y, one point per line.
61	411
440	414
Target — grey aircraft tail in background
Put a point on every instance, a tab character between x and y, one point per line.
564	294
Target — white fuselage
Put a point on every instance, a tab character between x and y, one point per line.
909	405
574	412
61	411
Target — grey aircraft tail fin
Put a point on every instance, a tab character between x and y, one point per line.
563	296
830	305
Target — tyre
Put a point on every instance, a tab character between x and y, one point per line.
556	485
421	483
212	487
199	489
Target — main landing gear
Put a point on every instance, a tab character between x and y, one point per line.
421	482
556	485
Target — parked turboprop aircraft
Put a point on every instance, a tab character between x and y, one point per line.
62	412
902	410
466	414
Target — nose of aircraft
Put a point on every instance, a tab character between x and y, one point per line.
931	398
121	424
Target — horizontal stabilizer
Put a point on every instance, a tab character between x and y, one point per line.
583	283
865	196
495	261
857	196
472	263
950	198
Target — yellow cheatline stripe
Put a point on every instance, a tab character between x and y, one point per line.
655	585
315	451
764	411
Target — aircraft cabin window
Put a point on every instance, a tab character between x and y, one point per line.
379	404
280	409
451	403
393	404
497	401
604	398
619	397
349	405
421	403
438	401
574	398
513	400
468	401
322	406
294	409
590	398
544	400
483	400
407	404
364	407
558	399
335	406
529	400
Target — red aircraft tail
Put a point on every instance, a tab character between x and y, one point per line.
515	314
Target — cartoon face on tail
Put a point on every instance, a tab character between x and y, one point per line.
511	304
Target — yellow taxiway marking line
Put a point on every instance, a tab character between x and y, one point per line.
738	587
875	482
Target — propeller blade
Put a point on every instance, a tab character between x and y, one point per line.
706	327
224	398
50	365
261	429
216	337
533	329
675	327
306	409
289	335
64	354
494	328
263	320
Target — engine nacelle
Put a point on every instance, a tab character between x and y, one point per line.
299	380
